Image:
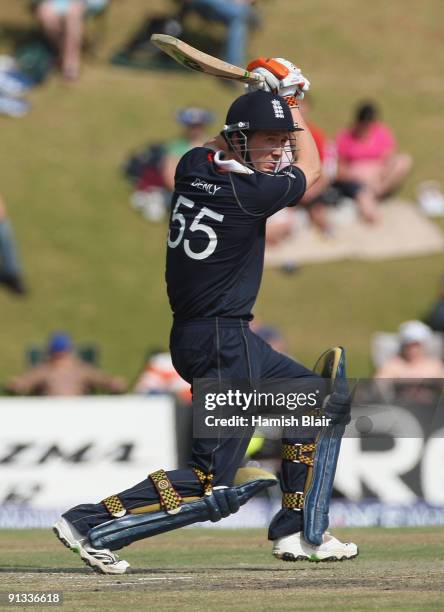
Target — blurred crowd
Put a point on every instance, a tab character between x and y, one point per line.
60	39
55	45
62	23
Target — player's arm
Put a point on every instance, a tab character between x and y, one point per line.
285	79
308	159
218	143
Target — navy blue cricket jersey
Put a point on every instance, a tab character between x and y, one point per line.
216	240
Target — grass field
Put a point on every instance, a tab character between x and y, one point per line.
95	268
223	570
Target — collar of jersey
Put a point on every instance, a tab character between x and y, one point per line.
230	165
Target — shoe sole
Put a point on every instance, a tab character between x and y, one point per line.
76	549
313	559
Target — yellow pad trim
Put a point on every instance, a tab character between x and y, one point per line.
327	364
247	474
206	480
157	507
170	499
295	453
114	506
293	501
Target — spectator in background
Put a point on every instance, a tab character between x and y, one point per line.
63	373
279	226
435	318
271	335
236	15
160	376
367	153
62	22
413	360
194	122
330	189
11	275
152	171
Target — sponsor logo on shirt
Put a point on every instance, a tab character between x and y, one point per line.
208	187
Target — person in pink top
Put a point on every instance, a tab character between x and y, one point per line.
367	153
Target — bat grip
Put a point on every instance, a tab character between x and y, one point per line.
254	76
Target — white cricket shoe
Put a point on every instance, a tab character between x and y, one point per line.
295	548
103	561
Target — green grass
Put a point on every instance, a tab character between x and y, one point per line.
199	569
96	268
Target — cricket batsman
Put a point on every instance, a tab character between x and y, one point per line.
224	193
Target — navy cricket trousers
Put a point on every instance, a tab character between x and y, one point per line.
219	348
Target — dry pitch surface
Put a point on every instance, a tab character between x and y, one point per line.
200	570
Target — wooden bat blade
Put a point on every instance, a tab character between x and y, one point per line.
202	62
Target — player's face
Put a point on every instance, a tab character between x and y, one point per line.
268	150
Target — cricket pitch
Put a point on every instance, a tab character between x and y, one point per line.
233	570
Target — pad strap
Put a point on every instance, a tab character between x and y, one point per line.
293	501
206	480
296	453
114	506
169	498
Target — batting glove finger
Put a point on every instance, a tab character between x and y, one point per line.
299	89
294	83
270	82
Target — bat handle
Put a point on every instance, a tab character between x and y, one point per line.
253	76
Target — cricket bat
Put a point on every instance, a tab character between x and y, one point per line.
202	62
